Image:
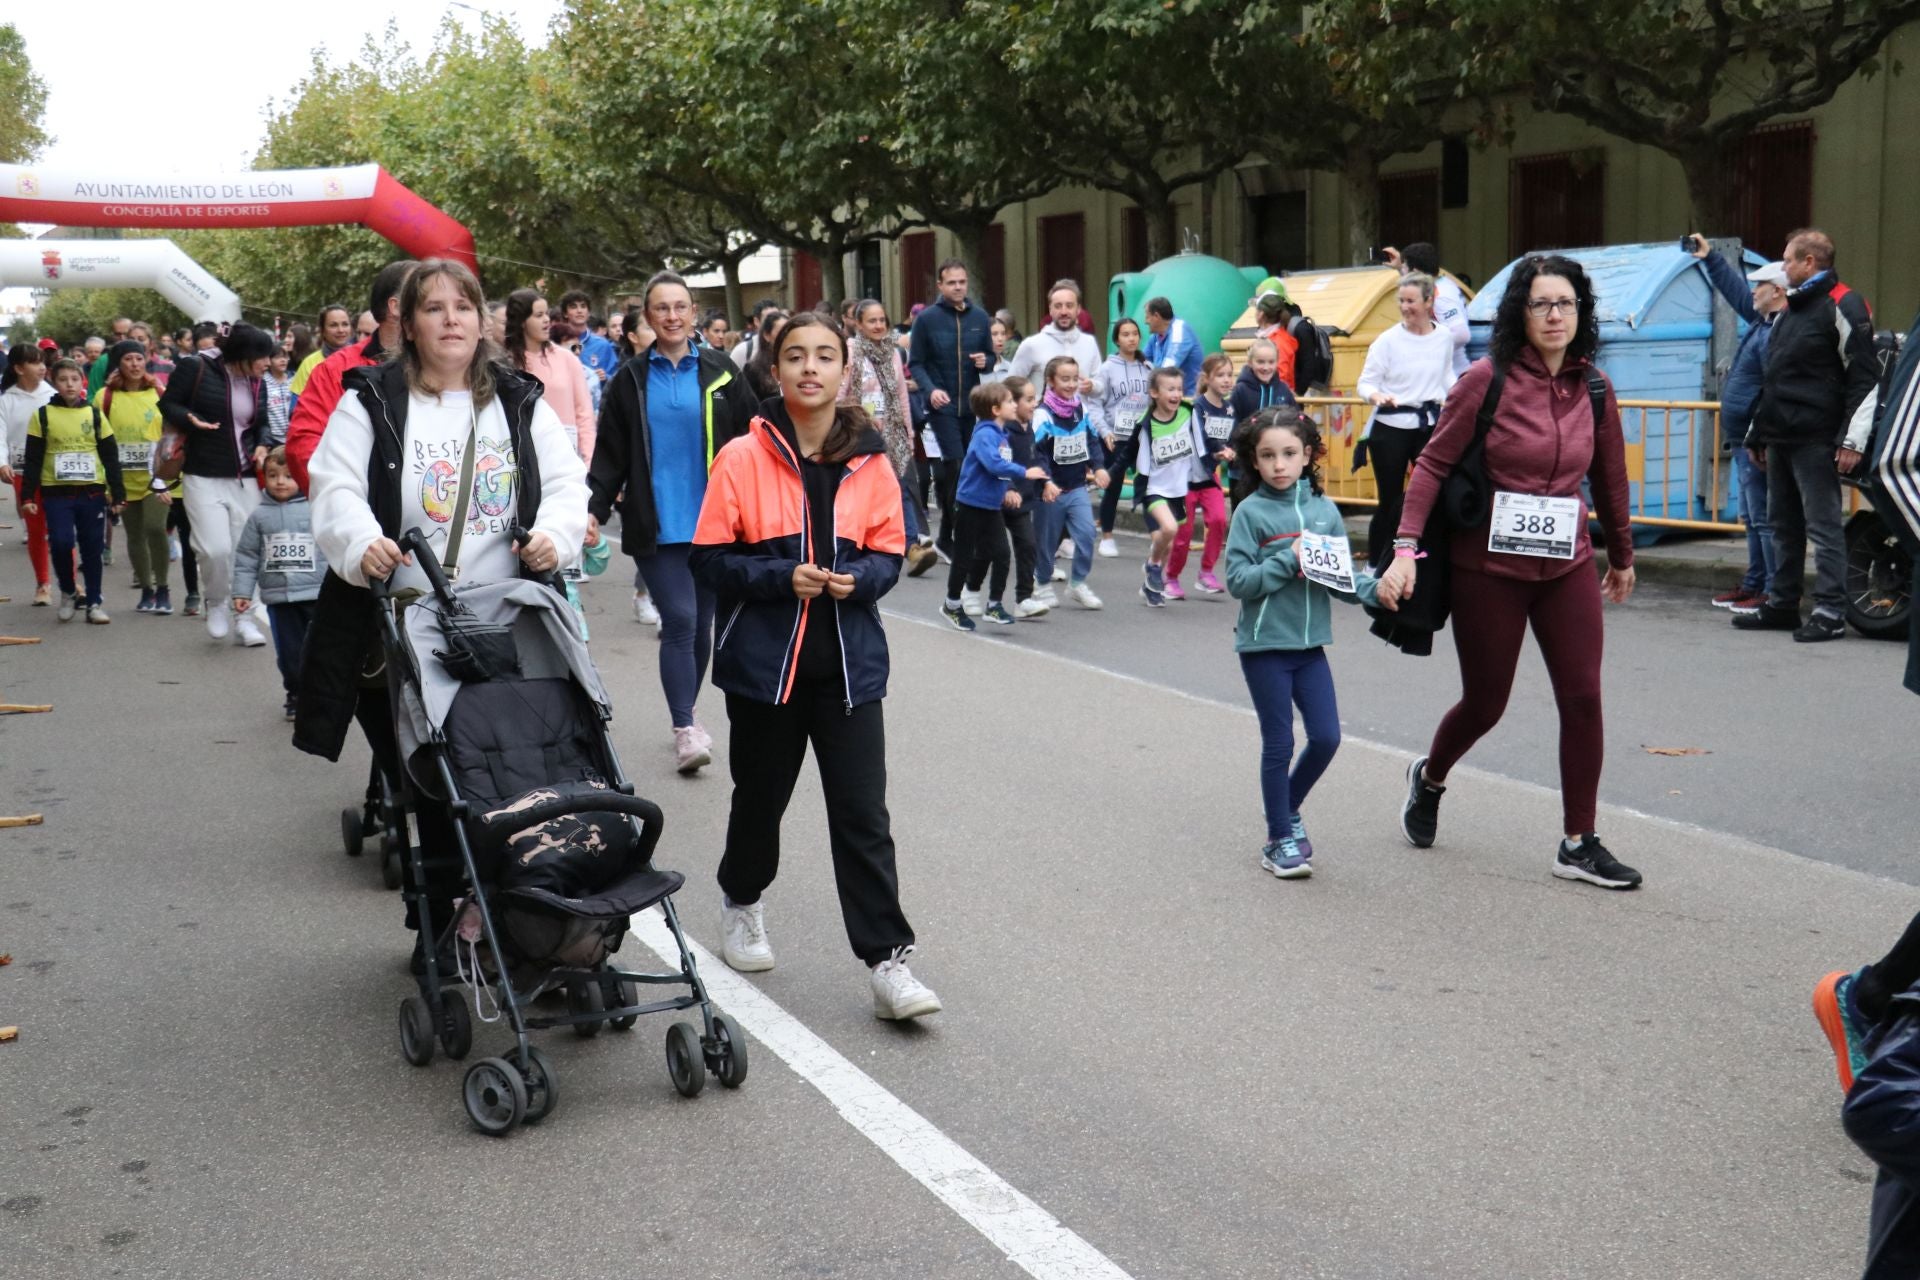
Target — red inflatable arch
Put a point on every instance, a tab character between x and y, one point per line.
365	193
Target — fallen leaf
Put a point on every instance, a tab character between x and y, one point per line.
1673	793
6	959
9	1033
1675	751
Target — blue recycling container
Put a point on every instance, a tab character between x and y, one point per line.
1655	307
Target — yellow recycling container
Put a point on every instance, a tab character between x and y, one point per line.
1358	304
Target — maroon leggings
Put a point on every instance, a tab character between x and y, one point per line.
1490	617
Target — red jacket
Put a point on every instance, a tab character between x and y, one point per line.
317	403
1544	442
752	535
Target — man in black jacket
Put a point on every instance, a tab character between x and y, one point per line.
1820	367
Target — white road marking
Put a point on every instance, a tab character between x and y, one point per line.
1033	1239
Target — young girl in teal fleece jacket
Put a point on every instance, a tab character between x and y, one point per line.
1287	556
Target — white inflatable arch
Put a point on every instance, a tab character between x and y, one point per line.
119	264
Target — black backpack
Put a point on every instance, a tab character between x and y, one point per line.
1313	361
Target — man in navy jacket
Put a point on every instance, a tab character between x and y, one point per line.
950	344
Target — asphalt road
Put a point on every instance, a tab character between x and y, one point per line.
1417	1064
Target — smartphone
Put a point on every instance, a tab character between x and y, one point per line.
1686	243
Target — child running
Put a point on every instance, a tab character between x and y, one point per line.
1168	460
1205	501
1016	511
1069	451
130	402
73	471
985	472
1121	404
1287	553
278	561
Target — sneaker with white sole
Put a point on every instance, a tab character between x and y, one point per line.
1031	607
247	631
644	610
1109	549
743	937
972	603
1082	594
997	614
1173	590
897	994
190	608
1590	861
957	618
689	756
219	621
1210	584
1284	859
1059	573
97	615
1420	814
1047	596
69	605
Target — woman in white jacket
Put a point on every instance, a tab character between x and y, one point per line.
1408	373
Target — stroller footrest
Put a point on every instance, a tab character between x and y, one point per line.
635	893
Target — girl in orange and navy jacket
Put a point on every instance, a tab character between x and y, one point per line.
800	534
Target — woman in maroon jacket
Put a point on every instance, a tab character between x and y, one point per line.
1531	563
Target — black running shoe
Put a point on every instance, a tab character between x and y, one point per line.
1592	863
1420	816
1768	618
1821	626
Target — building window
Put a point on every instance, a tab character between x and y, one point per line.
1280	230
1133	239
993	272
807	291
916	269
1410	208
1773	185
1557	202
868	265
1063	253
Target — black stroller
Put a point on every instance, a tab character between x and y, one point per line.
380	814
500	713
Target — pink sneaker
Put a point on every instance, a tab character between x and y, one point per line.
1210	584
1173	591
688	755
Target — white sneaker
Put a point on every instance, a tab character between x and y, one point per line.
1045	595
644	609
97	615
1082	594
220	621
1060	573
247	631
897	993
972	604
690	753
1109	549
69	605
743	932
1031	607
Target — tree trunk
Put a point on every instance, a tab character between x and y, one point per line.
833	277
1206	216
1360	184
735	304
1161	241
971	235
1710	171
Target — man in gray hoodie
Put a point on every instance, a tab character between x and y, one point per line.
1062	336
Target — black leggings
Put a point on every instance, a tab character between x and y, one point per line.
1391	452
1020	529
1124	453
189	563
979	535
769	744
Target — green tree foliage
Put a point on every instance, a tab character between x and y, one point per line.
74	315
23	99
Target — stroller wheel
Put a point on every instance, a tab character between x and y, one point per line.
350	834
728	1058
390	872
496	1100
416	1031
685	1061
584	997
542	1092
456	1024
620	994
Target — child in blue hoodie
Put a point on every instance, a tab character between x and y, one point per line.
1287	553
979	531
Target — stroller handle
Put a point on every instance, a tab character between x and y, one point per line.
415	543
518	535
577	799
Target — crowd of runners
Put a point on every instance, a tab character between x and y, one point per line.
771	489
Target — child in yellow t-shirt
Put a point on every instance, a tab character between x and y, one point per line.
73	472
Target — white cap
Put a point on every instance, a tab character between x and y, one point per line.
1772	273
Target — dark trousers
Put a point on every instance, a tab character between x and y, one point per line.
1280	680
769	744
979	535
177	522
374	712
1020	530
1124	452
1391	452
686	626
952	439
76	518
290	623
1803	500
1490	619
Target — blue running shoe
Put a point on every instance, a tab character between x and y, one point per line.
1840	1018
1284	859
1300	837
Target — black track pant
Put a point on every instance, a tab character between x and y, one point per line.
979	536
769	744
1391	452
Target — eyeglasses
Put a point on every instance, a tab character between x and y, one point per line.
673	308
1553	306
